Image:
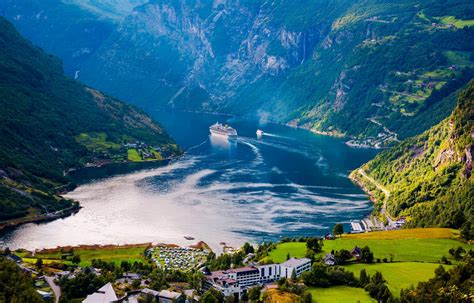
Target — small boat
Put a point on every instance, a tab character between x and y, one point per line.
259	132
188	238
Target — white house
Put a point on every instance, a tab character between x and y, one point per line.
294	264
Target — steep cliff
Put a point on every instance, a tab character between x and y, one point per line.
429	177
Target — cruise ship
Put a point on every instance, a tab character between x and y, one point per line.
223	130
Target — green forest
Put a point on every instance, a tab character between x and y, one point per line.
43	116
429	176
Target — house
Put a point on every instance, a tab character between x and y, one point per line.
14	258
105	294
329	237
131	276
166	296
356	253
45	295
294	264
329	260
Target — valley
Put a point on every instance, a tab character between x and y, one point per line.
264	151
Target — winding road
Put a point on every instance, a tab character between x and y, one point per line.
54	287
384	190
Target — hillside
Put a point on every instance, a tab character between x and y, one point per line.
428	178
375	71
51	124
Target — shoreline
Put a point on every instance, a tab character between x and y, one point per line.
14	223
67	188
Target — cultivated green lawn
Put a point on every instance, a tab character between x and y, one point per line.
295	249
398	274
340	294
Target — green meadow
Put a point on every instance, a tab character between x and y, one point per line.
416	254
115	254
398	274
340	294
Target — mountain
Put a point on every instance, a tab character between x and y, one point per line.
428	178
51	124
376	71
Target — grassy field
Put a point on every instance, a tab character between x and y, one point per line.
132	155
340	294
419	245
459	23
295	249
398	274
96	142
115	254
276	296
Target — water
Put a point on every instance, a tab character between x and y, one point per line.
290	182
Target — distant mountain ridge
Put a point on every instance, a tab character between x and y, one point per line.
51	124
429	177
377	71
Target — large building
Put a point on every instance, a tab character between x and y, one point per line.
236	281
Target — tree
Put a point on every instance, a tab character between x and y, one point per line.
342	256
39	263
364	278
306	298
288	256
125	265
366	255
136	284
248	248
293	275
7	251
254	293
208	297
314	244
338	229
76	259
15	286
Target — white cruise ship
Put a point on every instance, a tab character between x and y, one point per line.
223	130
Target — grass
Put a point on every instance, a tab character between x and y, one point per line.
276	296
340	294
295	249
409	245
457	57
459	23
398	274
413	233
115	254
132	155
96	142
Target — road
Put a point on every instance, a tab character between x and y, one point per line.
54	287
384	190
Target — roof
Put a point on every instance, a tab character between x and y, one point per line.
14	257
243	269
105	294
150	292
295	262
169	294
